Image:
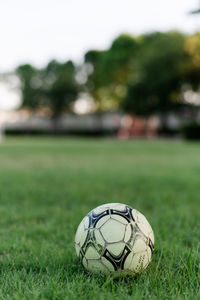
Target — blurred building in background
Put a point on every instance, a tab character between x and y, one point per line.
117	124
23	122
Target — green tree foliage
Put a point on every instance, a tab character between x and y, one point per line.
192	66
54	86
143	75
159	76
111	70
60	87
31	86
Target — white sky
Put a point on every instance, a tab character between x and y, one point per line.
36	31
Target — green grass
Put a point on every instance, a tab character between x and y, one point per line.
46	188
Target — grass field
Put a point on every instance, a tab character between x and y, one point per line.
46	188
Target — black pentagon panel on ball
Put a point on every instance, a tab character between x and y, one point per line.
117	261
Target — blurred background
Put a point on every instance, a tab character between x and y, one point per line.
127	69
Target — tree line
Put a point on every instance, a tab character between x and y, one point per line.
143	75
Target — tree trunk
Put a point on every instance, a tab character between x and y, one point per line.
55	125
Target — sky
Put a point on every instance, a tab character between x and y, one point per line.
36	31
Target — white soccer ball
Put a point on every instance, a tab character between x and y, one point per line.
114	238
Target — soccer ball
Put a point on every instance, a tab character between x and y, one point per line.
114	238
